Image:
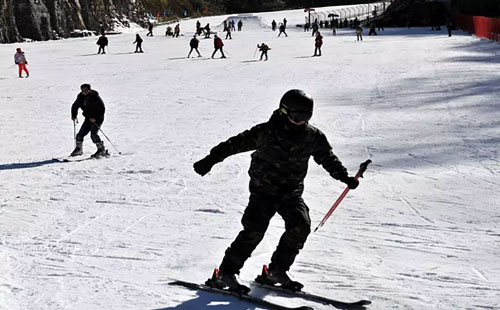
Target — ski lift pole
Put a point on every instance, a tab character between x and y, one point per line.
362	169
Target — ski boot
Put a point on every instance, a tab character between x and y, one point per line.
101	151
227	281
78	149
279	278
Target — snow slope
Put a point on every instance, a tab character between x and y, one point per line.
421	232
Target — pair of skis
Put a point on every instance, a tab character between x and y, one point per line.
274	306
262	281
69	159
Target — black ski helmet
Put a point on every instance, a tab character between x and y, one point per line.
297	105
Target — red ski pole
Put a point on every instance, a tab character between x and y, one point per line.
362	169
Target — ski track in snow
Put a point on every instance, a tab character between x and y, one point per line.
421	231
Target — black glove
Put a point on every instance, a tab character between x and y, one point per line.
203	166
351	182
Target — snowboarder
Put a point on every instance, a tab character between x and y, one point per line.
359	33
218	46
150	28
138	42
240	24
93	110
228	33
102	42
318	42
273	25
194	46
21	62
177	31
282	30
263	48
282	147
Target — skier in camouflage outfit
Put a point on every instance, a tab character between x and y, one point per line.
282	148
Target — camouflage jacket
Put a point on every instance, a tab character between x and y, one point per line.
281	155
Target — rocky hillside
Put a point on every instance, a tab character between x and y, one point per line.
50	19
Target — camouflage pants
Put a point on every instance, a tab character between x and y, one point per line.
256	218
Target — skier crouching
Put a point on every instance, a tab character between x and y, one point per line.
93	110
282	148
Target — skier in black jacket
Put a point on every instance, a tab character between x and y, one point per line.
93	110
194	46
282	148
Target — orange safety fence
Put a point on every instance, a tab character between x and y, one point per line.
480	26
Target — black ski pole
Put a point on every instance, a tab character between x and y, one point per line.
107	138
74	129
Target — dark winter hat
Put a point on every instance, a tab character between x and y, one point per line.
297	105
18	49
87	86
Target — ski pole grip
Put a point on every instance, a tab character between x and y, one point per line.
362	168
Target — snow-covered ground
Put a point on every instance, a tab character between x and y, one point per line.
421	232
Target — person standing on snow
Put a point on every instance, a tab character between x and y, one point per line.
21	62
240	24
228	33
273	25
138	42
359	33
207	31
102	42
318	42
282	30
263	48
177	31
93	110
218	46
150	29
282	147
194	46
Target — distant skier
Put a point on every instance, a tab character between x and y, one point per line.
93	110
240	24
207	31
21	62
138	42
284	22
282	148
102	42
359	33
282	30
218	46
449	27
228	33
263	48
315	28
194	46
232	23
318	42
273	25
177	31
372	31
198	27
150	28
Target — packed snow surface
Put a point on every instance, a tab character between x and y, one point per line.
421	232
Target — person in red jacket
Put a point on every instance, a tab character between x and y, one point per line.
218	46
318	42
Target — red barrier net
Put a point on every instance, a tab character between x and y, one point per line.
483	27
